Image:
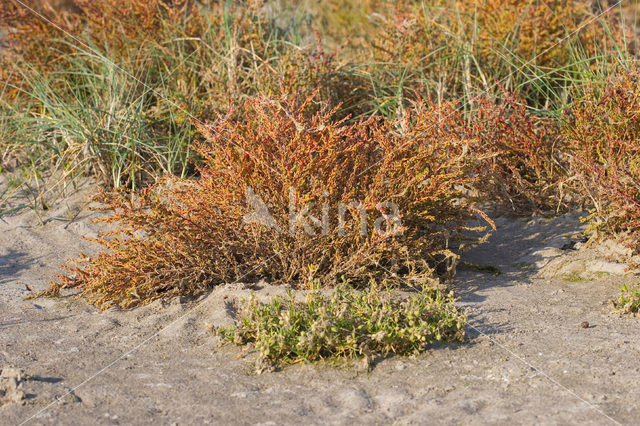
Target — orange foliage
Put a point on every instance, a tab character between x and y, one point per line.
187	235
603	134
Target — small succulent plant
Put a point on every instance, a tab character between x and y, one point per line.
346	324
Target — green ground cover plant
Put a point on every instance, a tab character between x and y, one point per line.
347	324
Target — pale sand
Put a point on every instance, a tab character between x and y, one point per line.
527	359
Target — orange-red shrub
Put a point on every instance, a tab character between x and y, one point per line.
187	235
603	134
525	167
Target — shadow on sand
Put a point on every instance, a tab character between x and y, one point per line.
12	263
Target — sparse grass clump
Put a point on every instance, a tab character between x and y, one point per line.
346	324
628	301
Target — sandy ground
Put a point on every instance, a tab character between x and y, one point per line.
527	358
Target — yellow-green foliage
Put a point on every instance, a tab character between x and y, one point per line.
347	24
628	302
347	324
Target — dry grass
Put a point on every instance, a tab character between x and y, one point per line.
120	99
462	49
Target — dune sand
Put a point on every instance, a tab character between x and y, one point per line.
527	358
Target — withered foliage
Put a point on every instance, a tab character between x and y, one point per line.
603	134
526	166
184	236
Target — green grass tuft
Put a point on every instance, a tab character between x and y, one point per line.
628	301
